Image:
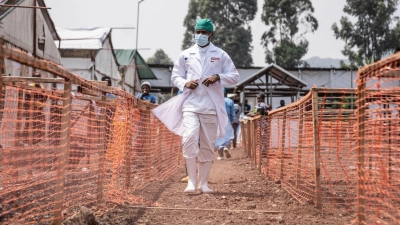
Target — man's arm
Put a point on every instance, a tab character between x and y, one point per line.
229	75
178	77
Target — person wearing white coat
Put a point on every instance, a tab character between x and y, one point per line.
199	112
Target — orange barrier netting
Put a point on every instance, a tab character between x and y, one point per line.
60	149
378	143
308	146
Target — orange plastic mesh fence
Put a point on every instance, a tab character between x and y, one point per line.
378	143
61	149
308	146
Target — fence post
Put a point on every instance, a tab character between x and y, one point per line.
159	153
300	146
253	143
128	151
65	146
283	144
361	151
260	145
243	129
316	148
17	135
147	144
248	137
29	129
268	143
90	133
103	147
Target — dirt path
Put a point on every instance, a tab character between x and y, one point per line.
242	196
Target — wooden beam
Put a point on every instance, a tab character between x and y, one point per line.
317	148
33	79
147	144
103	149
361	138
300	146
50	67
283	145
63	156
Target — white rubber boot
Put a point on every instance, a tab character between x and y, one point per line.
191	170
204	172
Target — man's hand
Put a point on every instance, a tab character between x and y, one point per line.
192	84
211	79
144	94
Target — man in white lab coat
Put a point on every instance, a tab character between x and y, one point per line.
199	112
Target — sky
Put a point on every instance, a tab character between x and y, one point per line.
161	25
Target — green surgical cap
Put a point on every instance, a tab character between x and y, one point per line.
204	24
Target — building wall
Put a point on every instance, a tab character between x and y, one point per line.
132	82
330	78
106	64
17	29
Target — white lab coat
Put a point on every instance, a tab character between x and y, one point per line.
189	67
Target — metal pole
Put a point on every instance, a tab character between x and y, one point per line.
34	31
137	37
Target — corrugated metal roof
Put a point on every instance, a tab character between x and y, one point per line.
284	77
125	58
4	11
82	38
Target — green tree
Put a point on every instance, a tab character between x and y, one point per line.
288	21
232	32
160	58
373	34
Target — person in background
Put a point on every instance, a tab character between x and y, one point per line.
223	143
235	121
282	104
145	95
261	108
247	107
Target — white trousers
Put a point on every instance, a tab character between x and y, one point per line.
199	128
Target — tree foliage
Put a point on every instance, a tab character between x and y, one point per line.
160	58
288	21
232	32
373	34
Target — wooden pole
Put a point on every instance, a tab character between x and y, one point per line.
361	151
250	153
128	154
32	79
248	138
261	144
18	134
254	142
147	144
268	144
90	131
65	147
317	148
29	128
103	147
159	145
388	121
243	126
300	146
283	144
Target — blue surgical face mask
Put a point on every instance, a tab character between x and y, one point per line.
201	39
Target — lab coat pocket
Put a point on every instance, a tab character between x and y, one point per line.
215	65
